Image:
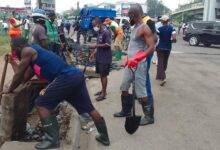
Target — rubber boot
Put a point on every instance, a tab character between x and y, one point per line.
118	55
126	103
148	115
103	133
51	129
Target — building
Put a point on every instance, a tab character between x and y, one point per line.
122	7
207	10
6	12
211	10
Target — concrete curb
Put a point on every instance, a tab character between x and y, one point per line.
73	134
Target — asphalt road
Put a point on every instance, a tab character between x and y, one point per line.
186	109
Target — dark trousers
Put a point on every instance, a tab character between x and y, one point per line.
163	57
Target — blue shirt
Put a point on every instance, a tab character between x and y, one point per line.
51	65
104	55
165	34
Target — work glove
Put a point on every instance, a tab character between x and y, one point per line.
134	61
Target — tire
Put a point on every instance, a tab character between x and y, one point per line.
207	44
193	41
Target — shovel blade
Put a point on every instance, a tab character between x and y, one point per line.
132	123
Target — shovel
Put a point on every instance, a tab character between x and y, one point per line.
132	122
3	76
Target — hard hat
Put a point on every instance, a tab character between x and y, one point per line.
39	13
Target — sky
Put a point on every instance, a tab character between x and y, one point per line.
62	5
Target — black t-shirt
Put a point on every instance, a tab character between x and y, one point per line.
104	55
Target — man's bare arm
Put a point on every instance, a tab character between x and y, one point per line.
29	73
23	66
149	38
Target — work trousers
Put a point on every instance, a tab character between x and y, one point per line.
163	57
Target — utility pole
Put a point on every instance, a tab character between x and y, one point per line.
39	4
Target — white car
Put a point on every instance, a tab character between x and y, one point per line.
121	20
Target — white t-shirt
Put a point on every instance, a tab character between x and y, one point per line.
5	25
27	25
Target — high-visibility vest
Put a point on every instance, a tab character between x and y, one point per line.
14	32
145	19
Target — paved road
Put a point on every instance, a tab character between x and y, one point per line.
187	108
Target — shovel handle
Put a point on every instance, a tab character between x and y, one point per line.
3	75
133	89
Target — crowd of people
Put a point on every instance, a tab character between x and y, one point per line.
39	54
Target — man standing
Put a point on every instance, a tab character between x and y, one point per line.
167	35
26	27
15	26
5	27
141	46
65	83
103	55
38	30
151	24
118	37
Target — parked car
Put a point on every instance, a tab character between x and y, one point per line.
207	33
121	20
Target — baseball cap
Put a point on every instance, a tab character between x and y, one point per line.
107	21
165	18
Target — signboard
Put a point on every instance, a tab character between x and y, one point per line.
27	2
125	8
48	4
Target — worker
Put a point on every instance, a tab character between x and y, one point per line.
103	55
118	37
141	46
38	33
55	42
15	26
65	83
151	24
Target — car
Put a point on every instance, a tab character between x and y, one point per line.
205	32
121	20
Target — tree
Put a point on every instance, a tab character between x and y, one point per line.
156	8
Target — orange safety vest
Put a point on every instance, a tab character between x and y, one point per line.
14	32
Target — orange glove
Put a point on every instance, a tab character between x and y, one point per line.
139	56
132	63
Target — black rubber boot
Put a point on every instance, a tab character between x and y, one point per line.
126	103
51	129
103	133
148	115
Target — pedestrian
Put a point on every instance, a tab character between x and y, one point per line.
15	26
5	27
147	20
184	27
67	26
157	26
38	32
167	35
103	55
141	46
26	27
118	37
65	83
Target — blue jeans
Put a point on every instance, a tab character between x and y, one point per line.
148	82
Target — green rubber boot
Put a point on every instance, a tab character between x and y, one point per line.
118	55
51	129
103	133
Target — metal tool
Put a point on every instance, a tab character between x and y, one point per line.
132	122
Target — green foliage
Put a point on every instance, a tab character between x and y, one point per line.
156	8
4	45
